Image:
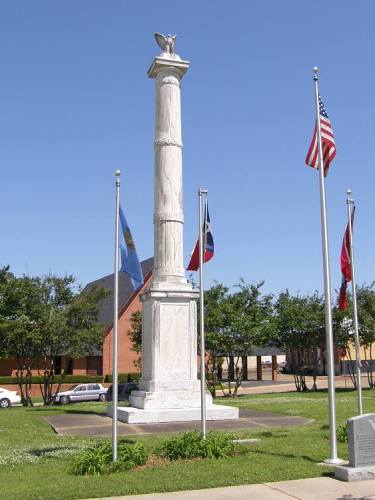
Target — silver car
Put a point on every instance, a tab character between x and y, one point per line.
82	392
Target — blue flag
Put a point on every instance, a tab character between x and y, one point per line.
129	259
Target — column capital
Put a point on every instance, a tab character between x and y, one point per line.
162	64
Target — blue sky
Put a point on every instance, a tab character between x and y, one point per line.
76	103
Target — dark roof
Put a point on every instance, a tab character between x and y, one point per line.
268	350
125	291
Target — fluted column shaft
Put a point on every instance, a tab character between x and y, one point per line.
168	201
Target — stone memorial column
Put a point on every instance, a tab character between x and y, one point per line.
168	212
169	389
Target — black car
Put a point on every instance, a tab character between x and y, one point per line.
124	391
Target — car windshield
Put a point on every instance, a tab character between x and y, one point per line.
72	387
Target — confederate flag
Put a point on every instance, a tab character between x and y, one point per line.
346	269
208	244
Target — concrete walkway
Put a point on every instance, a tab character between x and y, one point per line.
89	424
319	488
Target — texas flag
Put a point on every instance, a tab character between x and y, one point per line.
208	244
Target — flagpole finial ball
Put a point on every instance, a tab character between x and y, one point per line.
349	192
117	173
315	70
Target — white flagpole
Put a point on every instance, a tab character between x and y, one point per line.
350	204
115	325
327	290
201	192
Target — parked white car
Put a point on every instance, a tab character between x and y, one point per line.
8	398
82	392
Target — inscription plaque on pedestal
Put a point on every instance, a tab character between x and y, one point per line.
361	440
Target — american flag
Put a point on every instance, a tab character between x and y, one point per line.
328	142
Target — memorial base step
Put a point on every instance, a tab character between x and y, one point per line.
132	415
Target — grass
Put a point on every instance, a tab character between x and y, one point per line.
35	462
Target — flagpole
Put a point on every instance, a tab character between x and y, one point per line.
115	325
350	204
201	192
327	289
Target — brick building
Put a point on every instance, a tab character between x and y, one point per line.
129	302
100	362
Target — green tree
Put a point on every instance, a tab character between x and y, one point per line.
135	334
234	323
217	322
343	334
41	318
300	330
344	330
366	321
21	328
70	327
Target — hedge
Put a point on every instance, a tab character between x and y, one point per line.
124	377
68	379
76	379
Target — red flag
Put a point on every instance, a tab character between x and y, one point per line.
328	142
208	244
346	269
343	303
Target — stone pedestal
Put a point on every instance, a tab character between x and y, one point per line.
361	443
349	474
169	389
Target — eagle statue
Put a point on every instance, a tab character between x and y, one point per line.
166	42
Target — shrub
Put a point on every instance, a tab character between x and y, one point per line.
188	445
218	445
124	377
94	460
129	456
66	379
342	433
8	380
191	445
97	459
78	379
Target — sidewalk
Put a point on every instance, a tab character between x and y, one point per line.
319	488
285	383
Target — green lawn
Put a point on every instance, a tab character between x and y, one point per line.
35	462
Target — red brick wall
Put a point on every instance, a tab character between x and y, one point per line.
8	368
79	366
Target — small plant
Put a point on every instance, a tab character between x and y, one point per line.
342	434
188	445
97	459
129	456
94	460
191	445
218	445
